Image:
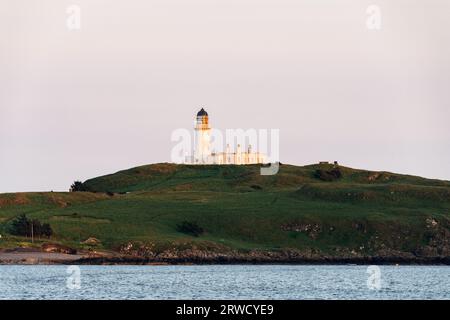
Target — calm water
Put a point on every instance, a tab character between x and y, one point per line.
224	282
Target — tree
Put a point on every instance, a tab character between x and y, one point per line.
78	186
22	226
47	230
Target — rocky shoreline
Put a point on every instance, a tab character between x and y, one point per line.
231	261
201	257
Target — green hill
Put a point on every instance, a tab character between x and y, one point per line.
314	211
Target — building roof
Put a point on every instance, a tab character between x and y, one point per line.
202	112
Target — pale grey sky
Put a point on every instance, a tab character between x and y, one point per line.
78	104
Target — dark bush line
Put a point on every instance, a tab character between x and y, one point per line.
191	228
22	226
328	175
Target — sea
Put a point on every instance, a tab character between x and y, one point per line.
224	282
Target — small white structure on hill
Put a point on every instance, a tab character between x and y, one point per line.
202	147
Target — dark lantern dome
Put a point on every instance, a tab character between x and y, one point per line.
202	113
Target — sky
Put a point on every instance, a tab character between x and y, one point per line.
76	103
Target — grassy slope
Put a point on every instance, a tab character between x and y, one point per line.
365	211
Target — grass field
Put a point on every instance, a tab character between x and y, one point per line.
362	211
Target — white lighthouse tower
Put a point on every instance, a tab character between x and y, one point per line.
202	150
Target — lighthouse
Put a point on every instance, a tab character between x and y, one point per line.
202	147
202	138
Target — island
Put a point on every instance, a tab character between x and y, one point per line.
167	213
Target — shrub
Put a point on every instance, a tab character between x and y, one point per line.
191	228
326	175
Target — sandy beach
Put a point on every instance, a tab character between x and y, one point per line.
31	256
